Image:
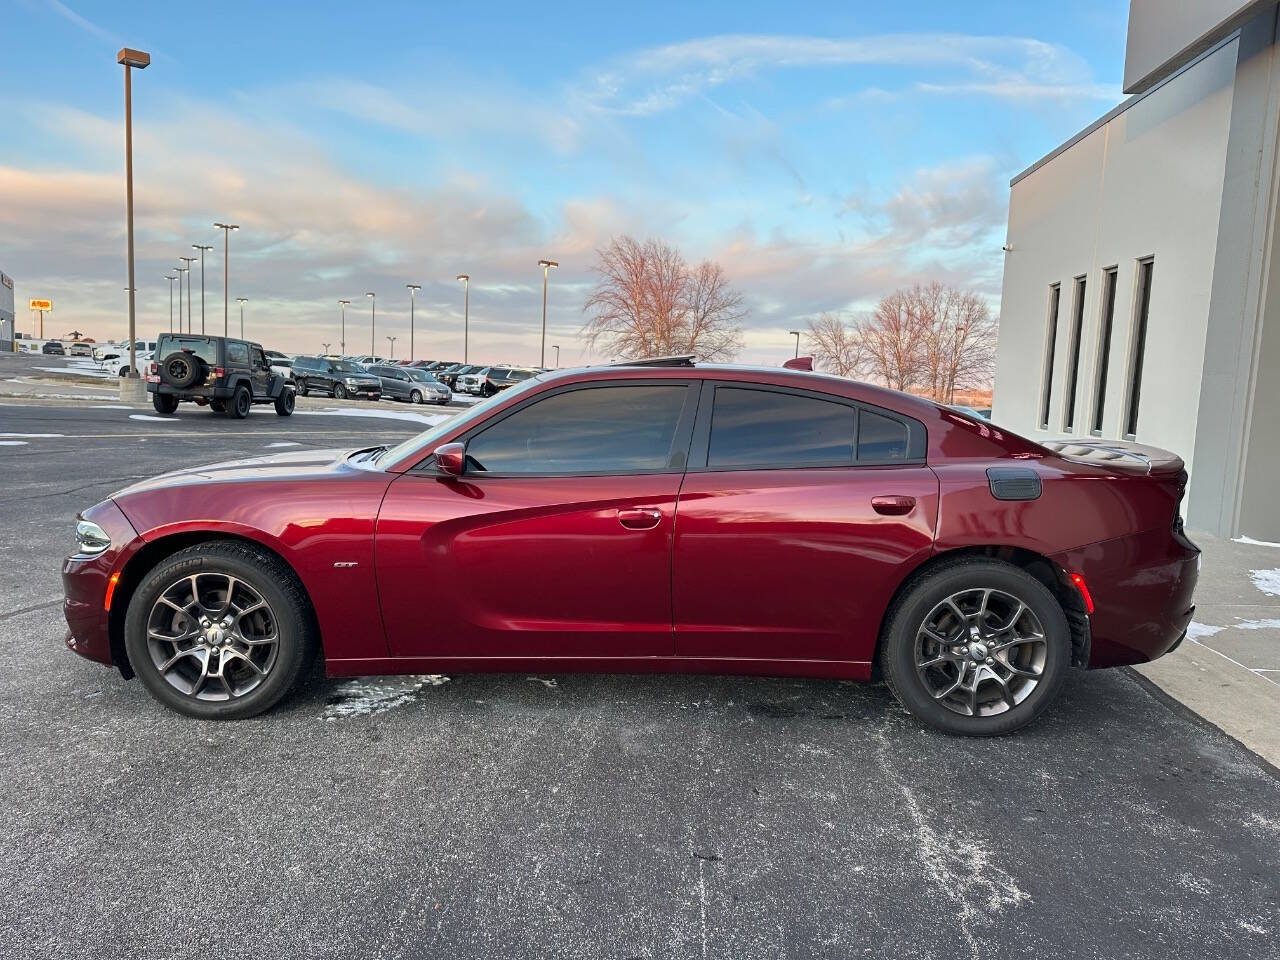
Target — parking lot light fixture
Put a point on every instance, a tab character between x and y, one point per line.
202	248
392	341
466	311
373	324
413	295
188	261
130	59
556	348
796	334
242	301
342	340
171	279
546	266
226	229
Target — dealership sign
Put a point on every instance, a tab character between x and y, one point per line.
41	305
6	280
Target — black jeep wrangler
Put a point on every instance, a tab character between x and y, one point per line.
229	376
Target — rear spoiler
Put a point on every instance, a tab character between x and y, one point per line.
1118	455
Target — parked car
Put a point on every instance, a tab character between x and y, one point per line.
80	349
339	378
826	527
53	348
111	351
490	380
449	375
280	363
119	366
369	359
226	374
412	384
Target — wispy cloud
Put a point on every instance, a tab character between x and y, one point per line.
62	10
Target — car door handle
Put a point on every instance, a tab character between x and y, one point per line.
893	506
640	518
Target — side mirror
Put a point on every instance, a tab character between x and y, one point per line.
450	459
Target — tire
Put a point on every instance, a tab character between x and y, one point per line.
288	617
182	370
124	371
241	401
302	388
339	392
164	402
983	658
217	406
415	396
284	403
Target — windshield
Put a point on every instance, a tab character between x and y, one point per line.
420	375
346	366
423	440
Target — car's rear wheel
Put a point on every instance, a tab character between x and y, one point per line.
339	392
284	402
164	402
240	403
219	631
976	647
302	388
416	396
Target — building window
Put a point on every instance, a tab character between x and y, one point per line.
1138	346
1104	347
1051	338
1073	367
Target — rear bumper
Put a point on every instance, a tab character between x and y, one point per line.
1143	587
203	391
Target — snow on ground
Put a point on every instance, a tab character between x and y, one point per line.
283	443
1249	541
1268	581
426	419
366	697
147	416
1270	624
13	443
87	371
1197	630
35	435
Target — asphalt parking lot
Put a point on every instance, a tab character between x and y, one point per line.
573	815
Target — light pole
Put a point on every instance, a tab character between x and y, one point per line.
393	348
796	334
226	229
373	324
466	311
413	295
242	301
342	341
556	348
546	266
202	248
171	279
180	272
326	346
130	59
188	261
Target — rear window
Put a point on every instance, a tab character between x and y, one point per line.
205	349
881	438
764	428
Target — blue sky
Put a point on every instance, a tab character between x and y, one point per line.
824	154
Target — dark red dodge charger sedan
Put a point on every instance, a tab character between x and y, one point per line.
658	516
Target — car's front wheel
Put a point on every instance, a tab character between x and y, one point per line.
339	392
976	647
284	403
219	631
416	396
302	388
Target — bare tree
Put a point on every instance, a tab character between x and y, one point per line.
837	347
893	337
649	303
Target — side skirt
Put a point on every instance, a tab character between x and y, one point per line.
386	666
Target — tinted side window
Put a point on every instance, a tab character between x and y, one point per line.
594	430
881	438
767	429
237	352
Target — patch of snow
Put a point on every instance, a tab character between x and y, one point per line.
1248	927
284	443
426	419
1270	624
147	416
1268	581
1197	630
78	371
549	683
33	435
366	698
111	406
1255	543
13	443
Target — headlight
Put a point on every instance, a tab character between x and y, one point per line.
91	539
352	381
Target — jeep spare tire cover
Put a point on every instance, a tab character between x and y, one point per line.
181	370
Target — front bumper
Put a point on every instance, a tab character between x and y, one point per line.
86	581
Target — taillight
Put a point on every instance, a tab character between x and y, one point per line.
219	372
1083	587
155	368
